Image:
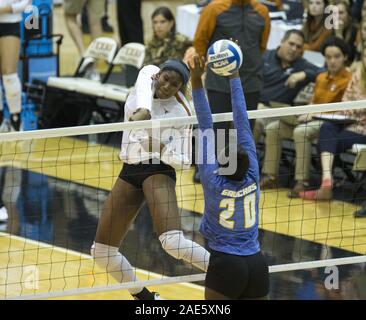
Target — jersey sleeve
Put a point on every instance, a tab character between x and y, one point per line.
144	87
178	139
241	122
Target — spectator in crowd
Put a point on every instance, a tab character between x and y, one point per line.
104	20
347	29
329	87
335	138
166	42
357	8
314	27
361	40
130	30
129	21
105	24
73	8
285	73
247	21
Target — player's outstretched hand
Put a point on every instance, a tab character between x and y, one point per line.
197	66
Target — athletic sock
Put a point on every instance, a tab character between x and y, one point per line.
15	121
13	92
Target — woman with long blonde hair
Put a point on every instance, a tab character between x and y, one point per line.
314	28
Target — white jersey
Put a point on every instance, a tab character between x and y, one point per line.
177	139
18	6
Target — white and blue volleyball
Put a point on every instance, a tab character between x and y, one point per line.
224	57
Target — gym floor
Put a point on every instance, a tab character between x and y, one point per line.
54	190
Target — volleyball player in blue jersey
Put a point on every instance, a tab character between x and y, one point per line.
237	269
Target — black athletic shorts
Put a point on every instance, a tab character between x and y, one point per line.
10	29
238	277
136	174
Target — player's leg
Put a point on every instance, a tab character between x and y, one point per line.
304	135
95	12
71	9
227	276
159	191
9	52
117	215
257	287
1	100
276	131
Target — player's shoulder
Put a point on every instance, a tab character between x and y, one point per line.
260	8
150	68
216	7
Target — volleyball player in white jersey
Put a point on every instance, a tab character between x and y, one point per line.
157	95
10	17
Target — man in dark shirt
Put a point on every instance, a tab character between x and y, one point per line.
285	74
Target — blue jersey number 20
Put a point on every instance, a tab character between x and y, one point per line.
229	205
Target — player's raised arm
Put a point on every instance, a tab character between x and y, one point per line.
203	112
240	116
200	102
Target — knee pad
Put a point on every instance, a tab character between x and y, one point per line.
110	259
13	92
174	243
106	256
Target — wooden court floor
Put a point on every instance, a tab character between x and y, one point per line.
54	189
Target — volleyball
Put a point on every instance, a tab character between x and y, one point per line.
224	57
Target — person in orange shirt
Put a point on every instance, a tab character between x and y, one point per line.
247	21
314	27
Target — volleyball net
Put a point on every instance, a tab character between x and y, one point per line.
54	183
